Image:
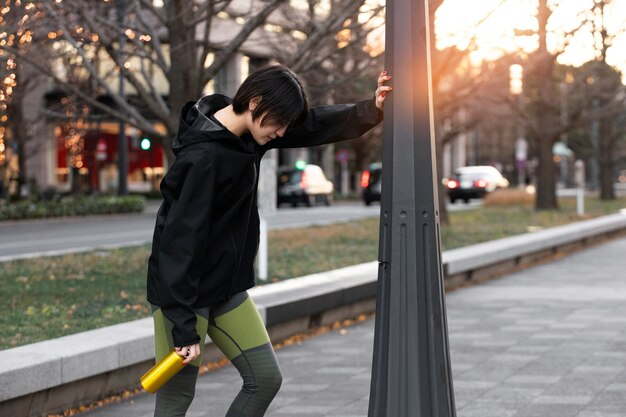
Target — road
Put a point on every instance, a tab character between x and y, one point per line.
49	237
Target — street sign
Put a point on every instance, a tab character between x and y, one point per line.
342	155
521	149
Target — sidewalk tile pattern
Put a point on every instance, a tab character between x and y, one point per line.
546	342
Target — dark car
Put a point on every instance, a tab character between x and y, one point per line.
474	182
307	185
371	182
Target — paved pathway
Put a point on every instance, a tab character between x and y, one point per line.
546	342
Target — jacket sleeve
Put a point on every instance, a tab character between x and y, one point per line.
183	242
328	124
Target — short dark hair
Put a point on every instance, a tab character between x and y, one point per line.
283	99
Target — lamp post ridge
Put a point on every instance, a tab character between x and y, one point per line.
411	373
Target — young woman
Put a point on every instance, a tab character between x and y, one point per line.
206	233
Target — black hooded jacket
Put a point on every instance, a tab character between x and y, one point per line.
207	229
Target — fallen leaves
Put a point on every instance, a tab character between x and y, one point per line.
212	366
297	339
112	399
137	307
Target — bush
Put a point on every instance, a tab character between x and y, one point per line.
71	206
510	197
150	195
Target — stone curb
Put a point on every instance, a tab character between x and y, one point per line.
287	307
495	251
43	365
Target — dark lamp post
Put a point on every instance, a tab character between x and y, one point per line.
411	374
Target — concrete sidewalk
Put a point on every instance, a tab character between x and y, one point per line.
546	342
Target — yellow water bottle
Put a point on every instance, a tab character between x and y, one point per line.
160	373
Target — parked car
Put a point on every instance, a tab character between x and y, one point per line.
371	182
474	182
308	185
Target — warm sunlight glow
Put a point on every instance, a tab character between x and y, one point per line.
493	27
516	73
490	25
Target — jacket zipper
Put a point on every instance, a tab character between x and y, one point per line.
239	258
234	281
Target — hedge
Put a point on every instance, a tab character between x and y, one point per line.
72	206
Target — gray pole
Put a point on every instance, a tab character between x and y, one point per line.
564	118
122	143
266	200
411	374
594	169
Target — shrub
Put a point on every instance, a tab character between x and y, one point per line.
71	206
150	195
510	197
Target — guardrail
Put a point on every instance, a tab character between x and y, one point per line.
54	375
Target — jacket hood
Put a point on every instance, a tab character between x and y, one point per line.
197	126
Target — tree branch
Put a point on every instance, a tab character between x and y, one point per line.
138	122
238	40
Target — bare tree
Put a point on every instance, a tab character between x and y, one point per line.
21	122
540	91
600	134
337	60
606	130
172	52
16	128
169	53
333	55
453	91
542	114
347	72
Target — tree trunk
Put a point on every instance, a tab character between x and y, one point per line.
75	181
546	176
23	169
606	161
20	137
183	74
606	143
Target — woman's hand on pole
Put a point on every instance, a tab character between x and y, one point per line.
188	352
382	89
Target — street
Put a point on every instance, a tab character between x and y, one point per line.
49	237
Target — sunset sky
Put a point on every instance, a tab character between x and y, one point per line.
457	23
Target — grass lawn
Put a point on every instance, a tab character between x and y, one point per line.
52	297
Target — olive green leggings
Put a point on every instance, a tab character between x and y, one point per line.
238	331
